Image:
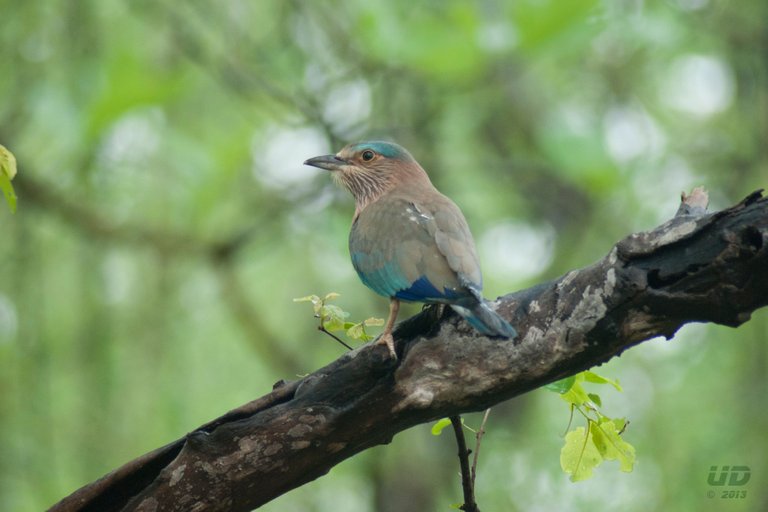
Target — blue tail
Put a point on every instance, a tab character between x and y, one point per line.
485	320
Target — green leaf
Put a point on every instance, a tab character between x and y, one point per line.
438	427
579	456
611	445
7	163
562	385
314	299
356	331
317	303
333	317
584	449
621	424
576	395
591	376
373	322
572	391
8	192
331	296
7	173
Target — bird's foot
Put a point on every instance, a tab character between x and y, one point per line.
386	339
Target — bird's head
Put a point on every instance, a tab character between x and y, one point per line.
370	169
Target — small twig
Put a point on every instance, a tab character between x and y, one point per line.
322	328
467	484
570	421
479	436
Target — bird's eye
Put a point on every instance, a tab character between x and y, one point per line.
368	155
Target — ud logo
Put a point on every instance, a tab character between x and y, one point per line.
739	475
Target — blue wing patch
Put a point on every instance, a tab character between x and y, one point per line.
420	290
387	280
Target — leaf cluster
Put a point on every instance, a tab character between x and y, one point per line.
333	318
601	440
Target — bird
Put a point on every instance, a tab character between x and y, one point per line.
409	242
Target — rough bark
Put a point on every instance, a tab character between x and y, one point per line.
698	267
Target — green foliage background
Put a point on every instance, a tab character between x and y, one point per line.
165	222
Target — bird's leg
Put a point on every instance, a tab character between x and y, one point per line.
386	336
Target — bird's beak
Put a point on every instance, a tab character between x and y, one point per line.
327	162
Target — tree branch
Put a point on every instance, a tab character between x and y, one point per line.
95	224
696	267
467	482
222	254
478	440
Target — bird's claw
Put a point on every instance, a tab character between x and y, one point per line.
386	339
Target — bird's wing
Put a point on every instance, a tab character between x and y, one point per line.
453	239
415	250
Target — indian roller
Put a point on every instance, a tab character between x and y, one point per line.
408	241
